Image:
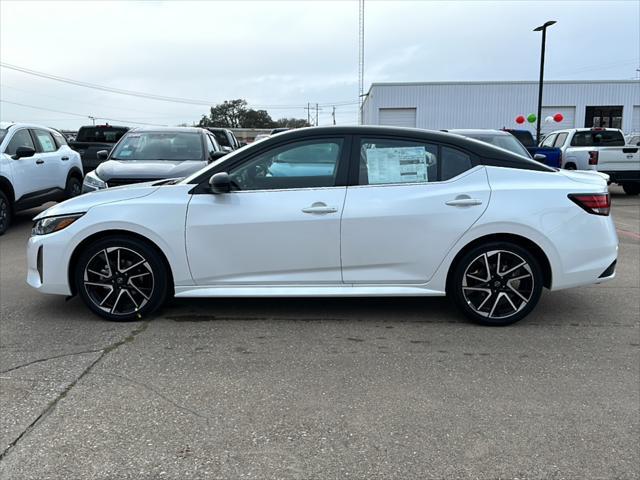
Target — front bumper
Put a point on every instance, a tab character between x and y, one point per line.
47	263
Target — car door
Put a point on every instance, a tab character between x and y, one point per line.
29	175
410	203
54	166
280	224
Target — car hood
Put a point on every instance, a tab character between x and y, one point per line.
84	202
151	169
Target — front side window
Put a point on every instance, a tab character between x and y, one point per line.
172	146
211	145
47	144
548	141
560	140
221	137
21	138
307	164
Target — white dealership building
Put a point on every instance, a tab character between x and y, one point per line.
446	105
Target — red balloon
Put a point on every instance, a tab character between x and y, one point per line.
520	119
558	117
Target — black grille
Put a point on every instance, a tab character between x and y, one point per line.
116	182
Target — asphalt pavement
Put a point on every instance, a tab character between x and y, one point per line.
322	389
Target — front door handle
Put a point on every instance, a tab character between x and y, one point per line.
319	208
39	161
464	202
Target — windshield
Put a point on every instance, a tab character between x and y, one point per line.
508	142
3	133
176	146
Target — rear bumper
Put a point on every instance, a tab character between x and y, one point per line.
623	176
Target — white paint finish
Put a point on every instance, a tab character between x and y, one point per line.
636	119
263	237
398	117
449	105
401	233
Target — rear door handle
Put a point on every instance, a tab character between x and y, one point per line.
319	208
65	158
464	202
39	161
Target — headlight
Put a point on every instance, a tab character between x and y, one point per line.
54	224
92	180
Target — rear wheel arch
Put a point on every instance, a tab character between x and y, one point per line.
7	189
116	233
75	173
519	240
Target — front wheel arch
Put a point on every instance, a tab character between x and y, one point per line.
523	242
108	233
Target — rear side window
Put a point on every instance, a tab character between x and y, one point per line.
59	138
21	138
454	162
562	137
47	144
598	138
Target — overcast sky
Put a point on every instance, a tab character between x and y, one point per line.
289	53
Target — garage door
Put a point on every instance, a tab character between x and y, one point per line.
635	128
397	117
569	120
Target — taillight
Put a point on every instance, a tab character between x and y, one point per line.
593	157
596	203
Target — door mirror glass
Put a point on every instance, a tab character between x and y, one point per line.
220	183
24	152
540	157
213	156
102	154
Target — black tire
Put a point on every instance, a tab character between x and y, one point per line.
631	188
108	289
494	299
6	212
73	187
570	166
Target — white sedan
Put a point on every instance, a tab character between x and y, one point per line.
335	211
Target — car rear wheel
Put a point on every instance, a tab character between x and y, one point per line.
5	212
496	284
631	188
121	278
73	188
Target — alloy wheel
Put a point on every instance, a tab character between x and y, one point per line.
498	284
118	280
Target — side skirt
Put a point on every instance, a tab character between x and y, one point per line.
307	291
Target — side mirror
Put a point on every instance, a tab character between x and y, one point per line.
213	156
220	183
540	157
102	155
23	152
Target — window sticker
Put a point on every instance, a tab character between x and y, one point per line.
397	165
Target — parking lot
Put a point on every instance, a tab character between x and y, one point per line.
322	388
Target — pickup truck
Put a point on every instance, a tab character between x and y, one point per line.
553	155
93	138
601	149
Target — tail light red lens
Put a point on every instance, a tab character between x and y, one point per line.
595	203
593	158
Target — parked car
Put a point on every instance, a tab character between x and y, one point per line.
633	139
36	166
403	212
553	156
601	149
153	153
499	138
94	138
226	138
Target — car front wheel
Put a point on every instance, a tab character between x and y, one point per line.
73	187
121	278
5	212
496	284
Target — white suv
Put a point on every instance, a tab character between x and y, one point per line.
36	166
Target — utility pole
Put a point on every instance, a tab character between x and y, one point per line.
93	119
543	29
316	114
308	109
360	57
333	115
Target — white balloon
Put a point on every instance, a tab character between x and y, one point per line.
548	119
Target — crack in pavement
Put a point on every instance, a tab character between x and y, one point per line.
52	404
40	360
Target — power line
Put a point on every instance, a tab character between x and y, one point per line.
93	117
149	96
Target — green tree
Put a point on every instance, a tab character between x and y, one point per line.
292	123
237	114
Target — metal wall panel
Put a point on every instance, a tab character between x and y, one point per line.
398	117
636	119
569	120
496	104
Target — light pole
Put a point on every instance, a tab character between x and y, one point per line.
543	29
